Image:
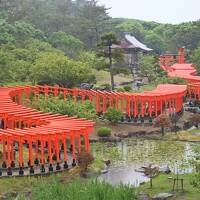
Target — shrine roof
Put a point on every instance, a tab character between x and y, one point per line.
131	42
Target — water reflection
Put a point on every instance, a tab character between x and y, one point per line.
125	174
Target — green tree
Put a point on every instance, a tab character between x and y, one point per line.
17	62
24	31
6	30
132	27
92	60
93	20
155	41
105	47
19	31
196	58
186	34
148	67
55	68
70	45
5	60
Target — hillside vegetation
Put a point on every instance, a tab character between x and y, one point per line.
33	33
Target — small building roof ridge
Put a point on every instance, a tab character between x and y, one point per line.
131	39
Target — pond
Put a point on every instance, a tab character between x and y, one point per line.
130	154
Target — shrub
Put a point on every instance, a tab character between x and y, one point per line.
105	85
69	107
104	132
162	121
127	88
120	89
84	159
113	115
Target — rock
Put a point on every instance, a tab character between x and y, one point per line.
175	129
86	86
9	195
90	174
107	162
143	196
94	140
162	196
187	125
110	139
140	170
3	196
151	170
121	135
192	128
13	194
154	132
136	133
197	134
165	169
27	195
105	171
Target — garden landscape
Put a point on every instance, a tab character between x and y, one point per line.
97	107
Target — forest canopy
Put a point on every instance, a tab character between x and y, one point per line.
30	29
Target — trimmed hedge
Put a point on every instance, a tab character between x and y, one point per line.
127	88
113	115
104	132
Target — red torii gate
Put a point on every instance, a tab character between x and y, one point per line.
131	104
181	69
23	125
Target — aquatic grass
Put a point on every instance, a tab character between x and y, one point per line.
133	150
98	164
85	190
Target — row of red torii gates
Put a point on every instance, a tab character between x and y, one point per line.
44	135
176	66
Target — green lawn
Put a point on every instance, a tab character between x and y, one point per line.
17	83
163	184
148	87
104	77
12	184
24	184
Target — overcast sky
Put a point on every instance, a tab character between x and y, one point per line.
165	11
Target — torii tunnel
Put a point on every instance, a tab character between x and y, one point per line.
166	97
176	66
49	138
44	135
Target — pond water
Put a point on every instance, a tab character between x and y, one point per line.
130	154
